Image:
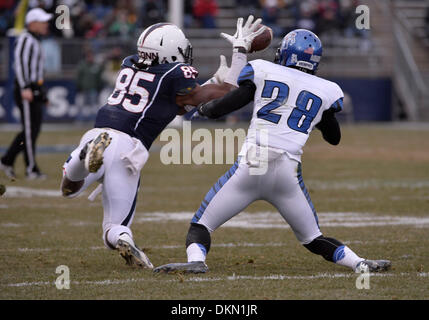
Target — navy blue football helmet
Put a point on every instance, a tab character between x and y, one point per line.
300	48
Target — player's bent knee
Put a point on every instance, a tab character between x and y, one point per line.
324	246
198	233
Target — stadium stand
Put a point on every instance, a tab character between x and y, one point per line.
411	65
393	48
106	24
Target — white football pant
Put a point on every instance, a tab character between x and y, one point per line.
281	185
120	184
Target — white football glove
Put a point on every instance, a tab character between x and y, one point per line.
222	71
244	35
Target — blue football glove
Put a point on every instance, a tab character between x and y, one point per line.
197	115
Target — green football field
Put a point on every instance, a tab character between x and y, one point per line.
371	192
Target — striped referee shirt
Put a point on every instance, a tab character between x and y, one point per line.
28	57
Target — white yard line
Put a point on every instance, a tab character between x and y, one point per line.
258	220
366	184
26	192
234	277
181	246
273	220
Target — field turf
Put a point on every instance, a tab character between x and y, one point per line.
371	191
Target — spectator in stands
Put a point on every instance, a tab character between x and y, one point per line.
327	17
100	9
77	9
83	24
205	11
427	22
123	24
348	17
6	15
152	11
124	20
270	12
188	19
306	15
88	84
246	7
113	62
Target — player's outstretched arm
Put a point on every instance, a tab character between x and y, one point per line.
232	101
214	88
330	127
203	94
241	42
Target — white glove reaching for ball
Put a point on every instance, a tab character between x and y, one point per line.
244	35
222	71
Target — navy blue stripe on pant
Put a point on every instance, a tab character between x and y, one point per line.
133	208
213	191
306	194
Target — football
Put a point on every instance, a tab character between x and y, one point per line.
262	41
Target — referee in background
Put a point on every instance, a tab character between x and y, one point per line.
28	93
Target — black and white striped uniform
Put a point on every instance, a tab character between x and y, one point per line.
28	67
28	63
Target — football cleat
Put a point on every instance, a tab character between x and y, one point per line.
131	253
373	266
94	152
8	170
189	267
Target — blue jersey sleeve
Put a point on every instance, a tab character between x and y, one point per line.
247	73
337	106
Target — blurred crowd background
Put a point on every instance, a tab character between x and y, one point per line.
123	18
88	55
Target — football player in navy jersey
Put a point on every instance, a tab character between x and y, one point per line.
153	86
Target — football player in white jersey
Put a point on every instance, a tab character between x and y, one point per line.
289	101
152	87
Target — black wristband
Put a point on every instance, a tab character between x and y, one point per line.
240	49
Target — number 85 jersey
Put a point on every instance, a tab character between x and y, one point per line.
288	103
143	102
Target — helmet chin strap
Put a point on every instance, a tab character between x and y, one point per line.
142	65
277	56
303	69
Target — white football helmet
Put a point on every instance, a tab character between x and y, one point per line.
163	43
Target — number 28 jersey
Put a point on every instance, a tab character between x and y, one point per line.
143	102
288	103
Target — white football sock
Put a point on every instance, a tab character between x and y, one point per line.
75	170
196	252
344	256
117	232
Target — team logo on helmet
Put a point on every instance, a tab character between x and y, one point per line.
148	55
290	39
309	50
